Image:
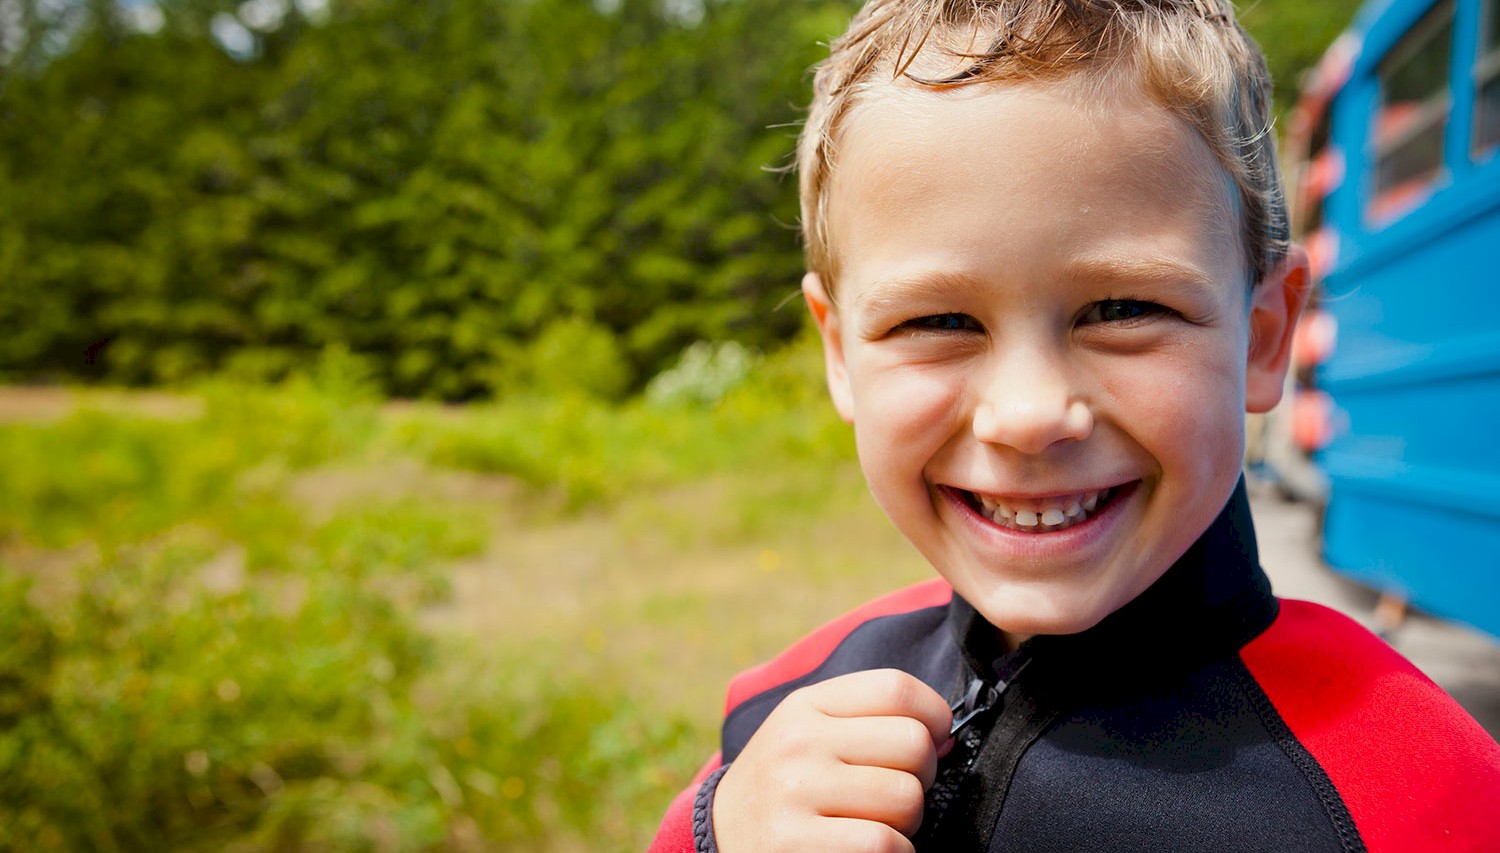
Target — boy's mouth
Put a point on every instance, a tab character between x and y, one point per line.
1041	515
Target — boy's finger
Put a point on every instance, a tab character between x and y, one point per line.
883	693
865	836
887	796
896	743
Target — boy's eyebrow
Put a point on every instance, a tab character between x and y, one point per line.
893	292
1143	270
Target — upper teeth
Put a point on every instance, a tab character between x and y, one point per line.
1052	513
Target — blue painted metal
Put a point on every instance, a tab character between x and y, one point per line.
1414	467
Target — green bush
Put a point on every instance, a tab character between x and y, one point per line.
718	415
192	658
150	713
569	357
704	374
123	478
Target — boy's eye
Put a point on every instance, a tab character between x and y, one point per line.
942	323
1122	311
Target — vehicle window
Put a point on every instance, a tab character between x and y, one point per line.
1413	115
1487	81
1315	178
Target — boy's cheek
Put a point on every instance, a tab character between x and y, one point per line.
902	405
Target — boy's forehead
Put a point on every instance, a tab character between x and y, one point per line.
1072	124
1066	122
1094	104
1059	152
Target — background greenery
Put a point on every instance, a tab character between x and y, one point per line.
469	197
289	617
274	609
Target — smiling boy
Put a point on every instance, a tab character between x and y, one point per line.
1042	341
1050	270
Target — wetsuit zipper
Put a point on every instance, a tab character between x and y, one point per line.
997	716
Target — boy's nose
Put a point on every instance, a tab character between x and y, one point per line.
1030	405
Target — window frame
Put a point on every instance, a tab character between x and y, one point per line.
1486	71
1386	204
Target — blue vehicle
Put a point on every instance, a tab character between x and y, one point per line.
1395	163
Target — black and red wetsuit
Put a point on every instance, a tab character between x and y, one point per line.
1205	715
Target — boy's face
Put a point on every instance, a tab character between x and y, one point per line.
1043	337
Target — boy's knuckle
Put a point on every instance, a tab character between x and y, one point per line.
797	701
802	741
790	734
906	799
915	740
895	687
784	736
891	841
880	838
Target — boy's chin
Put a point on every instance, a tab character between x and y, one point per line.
1015	632
1022	614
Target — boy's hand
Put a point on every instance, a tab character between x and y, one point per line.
841	765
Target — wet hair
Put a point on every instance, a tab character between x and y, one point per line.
1191	56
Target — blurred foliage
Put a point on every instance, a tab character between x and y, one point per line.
586	451
467	198
704	373
194	656
457	192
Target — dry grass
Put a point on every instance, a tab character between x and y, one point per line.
654	589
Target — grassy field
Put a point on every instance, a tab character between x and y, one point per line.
280	618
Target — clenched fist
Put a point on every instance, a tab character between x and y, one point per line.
841	765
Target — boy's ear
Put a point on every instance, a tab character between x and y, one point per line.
1274	308
826	314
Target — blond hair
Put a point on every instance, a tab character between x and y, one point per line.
1189	55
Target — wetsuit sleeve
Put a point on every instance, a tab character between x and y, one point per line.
687	826
1413	769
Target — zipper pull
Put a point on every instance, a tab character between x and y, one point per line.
978	697
981	695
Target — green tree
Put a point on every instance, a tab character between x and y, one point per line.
442	191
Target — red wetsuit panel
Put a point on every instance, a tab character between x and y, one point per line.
1415	771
